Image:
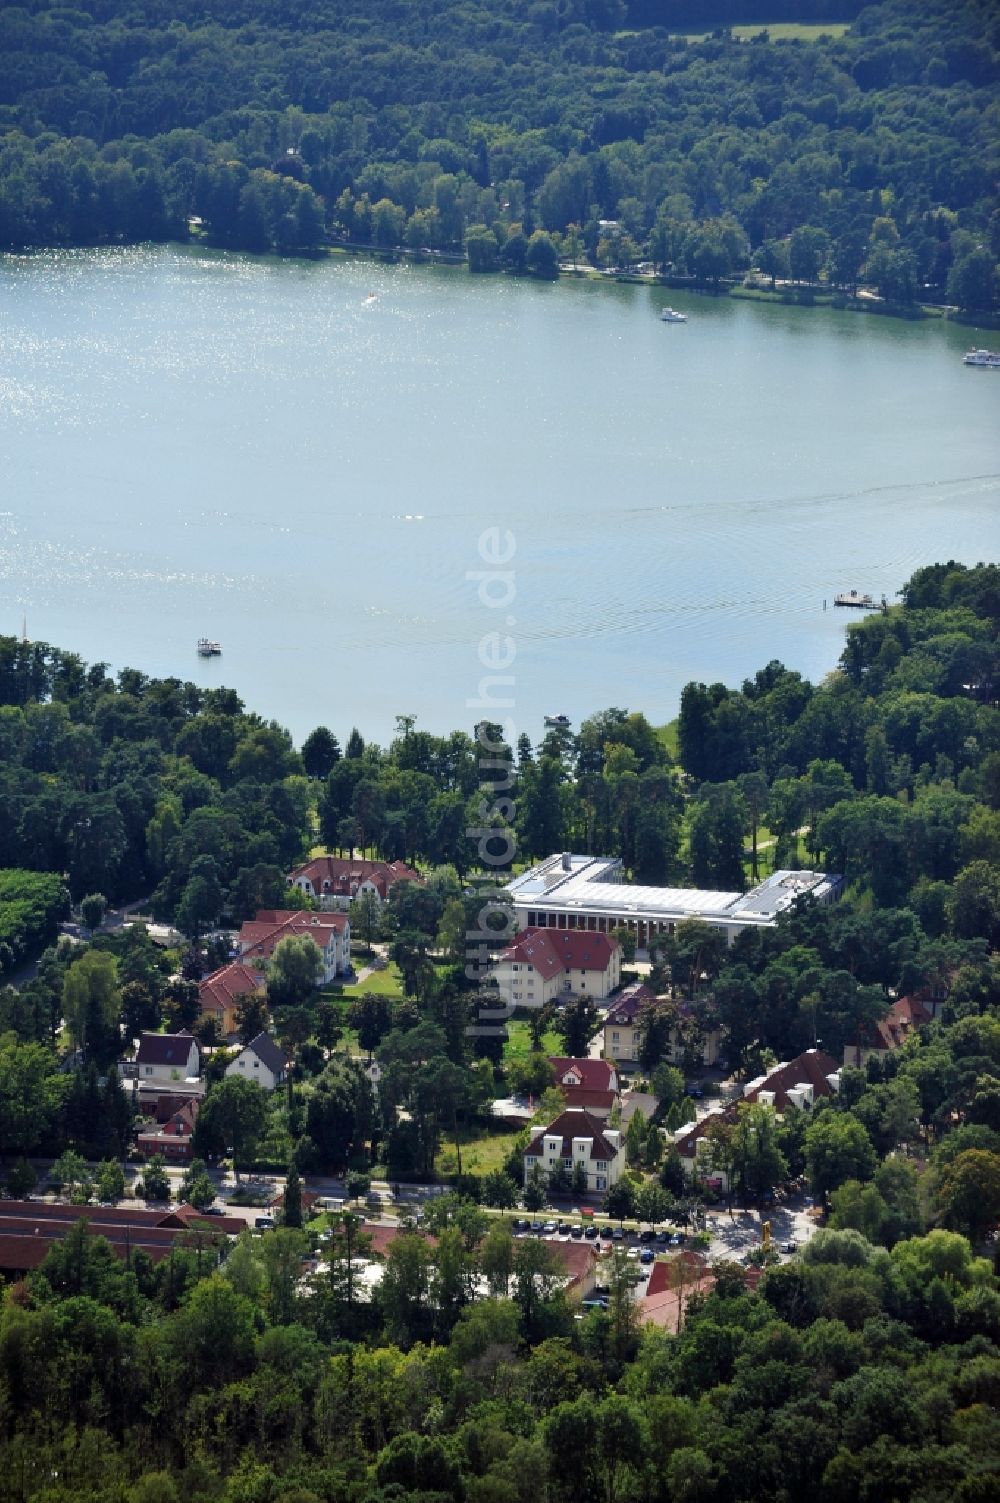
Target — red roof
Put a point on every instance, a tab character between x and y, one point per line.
586	1074
170	1049
810	1068
903	1016
629	1003
577	1258
341	877
260	935
570	1124
687	1268
29	1228
553	950
223	989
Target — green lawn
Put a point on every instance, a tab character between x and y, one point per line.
668	735
481	1152
518	1045
778	31
387	982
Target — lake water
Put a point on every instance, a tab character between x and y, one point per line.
265	453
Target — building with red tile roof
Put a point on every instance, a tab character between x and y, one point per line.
904	1016
336	881
172	1138
219	994
549	965
672	1285
577	1137
588	1083
29	1228
625	1025
260	936
799	1083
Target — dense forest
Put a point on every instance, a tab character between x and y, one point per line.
521	134
866	1369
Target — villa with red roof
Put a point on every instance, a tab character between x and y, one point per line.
577	1137
588	1083
904	1016
336	882
260	936
625	1025
220	994
549	965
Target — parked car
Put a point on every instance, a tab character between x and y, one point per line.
633	1252
663	1237
647	1234
591	1234
647	1255
550	1228
565	1229
538	1227
606	1233
593	1304
576	1231
520	1224
790	1247
618	1234
263	1223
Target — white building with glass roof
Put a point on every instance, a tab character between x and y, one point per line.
589	892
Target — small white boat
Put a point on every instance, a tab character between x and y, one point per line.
989	359
671	316
208	649
852	597
562	721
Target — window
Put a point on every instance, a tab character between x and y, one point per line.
602	1183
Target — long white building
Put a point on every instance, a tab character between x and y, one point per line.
588	892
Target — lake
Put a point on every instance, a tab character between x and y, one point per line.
300	459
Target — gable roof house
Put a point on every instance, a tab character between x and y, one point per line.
336	881
799	1083
261	1061
165	1057
172	1138
577	1137
904	1016
588	1083
547	965
220	993
260	936
624	1024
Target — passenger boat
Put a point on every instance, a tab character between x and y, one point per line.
208	648
671	316
851	597
990	359
562	721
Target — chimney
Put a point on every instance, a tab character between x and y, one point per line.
567	861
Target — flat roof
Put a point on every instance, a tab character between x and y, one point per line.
578	884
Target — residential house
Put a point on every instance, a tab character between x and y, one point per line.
261	1061
672	1284
220	994
260	936
795	1085
551	965
163	1058
799	1083
337	881
172	1138
588	1083
624	1025
577	1137
581	1266
904	1016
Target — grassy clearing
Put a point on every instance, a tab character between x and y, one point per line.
778	31
387	982
667	736
481	1152
518	1045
